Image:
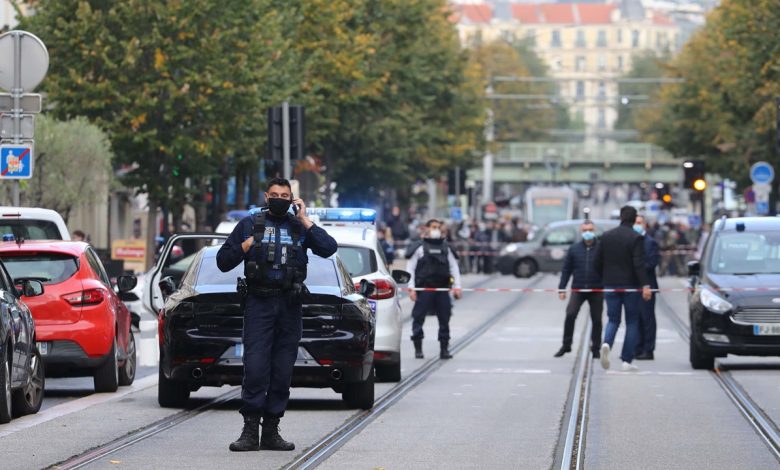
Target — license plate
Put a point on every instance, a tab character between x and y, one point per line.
239	350
766	330
43	347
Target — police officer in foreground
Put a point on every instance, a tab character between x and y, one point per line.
272	244
581	262
432	263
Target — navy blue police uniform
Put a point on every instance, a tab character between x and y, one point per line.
275	268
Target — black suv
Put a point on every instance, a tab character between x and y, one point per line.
735	301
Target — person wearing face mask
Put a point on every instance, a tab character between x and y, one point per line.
645	348
272	244
580	263
433	264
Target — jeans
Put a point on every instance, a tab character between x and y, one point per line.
596	304
438	303
616	302
646	343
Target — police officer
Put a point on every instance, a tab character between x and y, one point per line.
647	326
272	243
433	264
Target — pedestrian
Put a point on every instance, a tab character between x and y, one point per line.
272	243
580	263
645	348
433	264
620	259
78	236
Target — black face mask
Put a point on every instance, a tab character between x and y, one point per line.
278	206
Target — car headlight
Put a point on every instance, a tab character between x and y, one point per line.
511	248
713	302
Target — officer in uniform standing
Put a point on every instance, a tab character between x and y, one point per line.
272	244
433	264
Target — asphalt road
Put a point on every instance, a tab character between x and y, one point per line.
500	403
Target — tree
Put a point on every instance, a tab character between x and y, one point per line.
633	96
72	165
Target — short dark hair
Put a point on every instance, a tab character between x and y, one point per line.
432	221
279	182
628	214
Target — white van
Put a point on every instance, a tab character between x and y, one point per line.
32	223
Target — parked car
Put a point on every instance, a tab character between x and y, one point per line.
22	378
82	327
359	249
201	326
547	250
727	314
32	223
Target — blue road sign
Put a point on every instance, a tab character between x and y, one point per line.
762	207
762	173
456	214
16	161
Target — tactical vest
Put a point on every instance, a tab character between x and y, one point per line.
279	258
433	268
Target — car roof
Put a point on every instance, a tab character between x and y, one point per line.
356	235
68	247
761	223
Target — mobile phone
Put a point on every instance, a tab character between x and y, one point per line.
295	208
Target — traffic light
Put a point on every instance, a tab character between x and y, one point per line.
664	195
297	137
694	175
176	170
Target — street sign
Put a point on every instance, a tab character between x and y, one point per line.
26	126
16	161
762	173
762	191
762	207
34	60
31	103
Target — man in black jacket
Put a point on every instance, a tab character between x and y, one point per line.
620	259
580	261
645	347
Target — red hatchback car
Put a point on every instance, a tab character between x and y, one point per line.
81	325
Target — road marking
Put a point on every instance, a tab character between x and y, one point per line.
503	371
648	372
75	406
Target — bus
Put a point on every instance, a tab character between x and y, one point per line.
545	204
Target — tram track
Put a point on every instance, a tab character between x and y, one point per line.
761	423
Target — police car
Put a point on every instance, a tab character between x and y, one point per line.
355	231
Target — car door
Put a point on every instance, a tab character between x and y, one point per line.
118	308
176	256
555	244
21	329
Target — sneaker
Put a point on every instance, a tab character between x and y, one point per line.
605	356
629	367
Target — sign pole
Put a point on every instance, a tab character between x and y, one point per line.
16	93
286	139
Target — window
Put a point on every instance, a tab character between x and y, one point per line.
508	36
602	62
556	38
620	62
601	40
557	63
530	36
579	63
602	119
744	252
581	38
635	38
620	36
97	266
49	268
560	236
359	261
31	229
602	90
580	90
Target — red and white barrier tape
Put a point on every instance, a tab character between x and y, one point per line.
536	290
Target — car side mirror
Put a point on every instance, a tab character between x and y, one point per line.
366	288
32	288
167	286
694	268
400	276
126	283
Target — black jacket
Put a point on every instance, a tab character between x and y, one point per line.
581	262
652	257
620	258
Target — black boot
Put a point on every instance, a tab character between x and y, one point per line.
249	439
418	348
444	352
270	439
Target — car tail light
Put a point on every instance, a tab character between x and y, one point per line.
87	297
385	289
161	328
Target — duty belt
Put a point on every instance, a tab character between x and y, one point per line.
267	292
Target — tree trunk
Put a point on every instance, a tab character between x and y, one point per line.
254	183
201	210
151	233
240	185
222	204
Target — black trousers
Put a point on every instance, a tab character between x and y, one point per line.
596	303
432	302
647	327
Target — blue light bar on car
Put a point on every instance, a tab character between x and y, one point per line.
342	214
9	237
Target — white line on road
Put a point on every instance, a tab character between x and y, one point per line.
503	371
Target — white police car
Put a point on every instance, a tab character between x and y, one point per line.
355	231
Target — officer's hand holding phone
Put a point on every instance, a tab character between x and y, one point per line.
300	212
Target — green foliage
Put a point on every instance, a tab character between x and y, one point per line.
644	65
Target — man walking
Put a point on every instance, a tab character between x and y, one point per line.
580	262
646	345
433	264
620	259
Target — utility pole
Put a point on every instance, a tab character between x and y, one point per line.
487	160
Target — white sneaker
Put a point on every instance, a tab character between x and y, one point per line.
629	367
604	356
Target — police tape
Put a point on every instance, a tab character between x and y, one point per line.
498	253
538	290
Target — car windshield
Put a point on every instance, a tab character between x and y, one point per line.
358	260
320	272
746	253
49	268
30	229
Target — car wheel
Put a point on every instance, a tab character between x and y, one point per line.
27	400
127	371
106	376
5	394
525	267
389	372
360	394
171	393
700	359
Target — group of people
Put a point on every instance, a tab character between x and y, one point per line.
617	269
